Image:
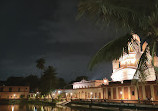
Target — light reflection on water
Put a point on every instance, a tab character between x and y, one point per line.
12	108
50	108
33	108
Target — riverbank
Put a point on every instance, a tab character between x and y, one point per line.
26	101
104	105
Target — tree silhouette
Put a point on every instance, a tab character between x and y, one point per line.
48	81
40	64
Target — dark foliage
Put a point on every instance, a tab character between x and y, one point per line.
61	83
32	81
15	81
48	80
40	63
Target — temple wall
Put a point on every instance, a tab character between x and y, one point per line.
87	84
120	91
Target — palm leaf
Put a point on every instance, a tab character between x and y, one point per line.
153	52
106	11
112	50
129	14
142	67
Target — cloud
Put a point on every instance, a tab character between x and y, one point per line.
48	28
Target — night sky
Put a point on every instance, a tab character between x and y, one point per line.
31	29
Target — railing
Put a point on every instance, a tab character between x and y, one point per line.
115	101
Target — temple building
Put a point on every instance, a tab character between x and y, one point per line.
121	87
125	67
87	84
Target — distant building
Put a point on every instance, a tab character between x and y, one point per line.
14	92
88	84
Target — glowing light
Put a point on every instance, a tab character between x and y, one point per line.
121	92
105	81
14	95
59	92
91	93
66	94
71	94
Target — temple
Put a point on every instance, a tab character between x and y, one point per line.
125	67
121	88
87	84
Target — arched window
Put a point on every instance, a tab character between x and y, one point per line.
88	95
99	95
95	95
85	95
119	64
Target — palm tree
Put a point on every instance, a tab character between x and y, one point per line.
48	81
140	17
40	64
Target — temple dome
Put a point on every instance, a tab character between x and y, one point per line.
136	37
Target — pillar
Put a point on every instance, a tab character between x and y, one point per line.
117	93
122	92
129	93
152	92
136	93
111	92
144	94
106	92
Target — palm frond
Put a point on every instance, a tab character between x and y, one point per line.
112	11
153	51
105	11
153	21
142	67
112	50
137	16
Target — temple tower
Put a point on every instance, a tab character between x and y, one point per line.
125	67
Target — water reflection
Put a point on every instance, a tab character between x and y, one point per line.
35	109
57	108
12	108
48	108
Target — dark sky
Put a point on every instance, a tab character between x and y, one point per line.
30	29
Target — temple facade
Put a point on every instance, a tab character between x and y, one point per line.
87	84
125	67
116	91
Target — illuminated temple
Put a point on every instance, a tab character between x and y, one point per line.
125	67
121	86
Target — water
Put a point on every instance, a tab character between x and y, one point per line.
57	108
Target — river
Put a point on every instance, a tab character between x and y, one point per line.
57	108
